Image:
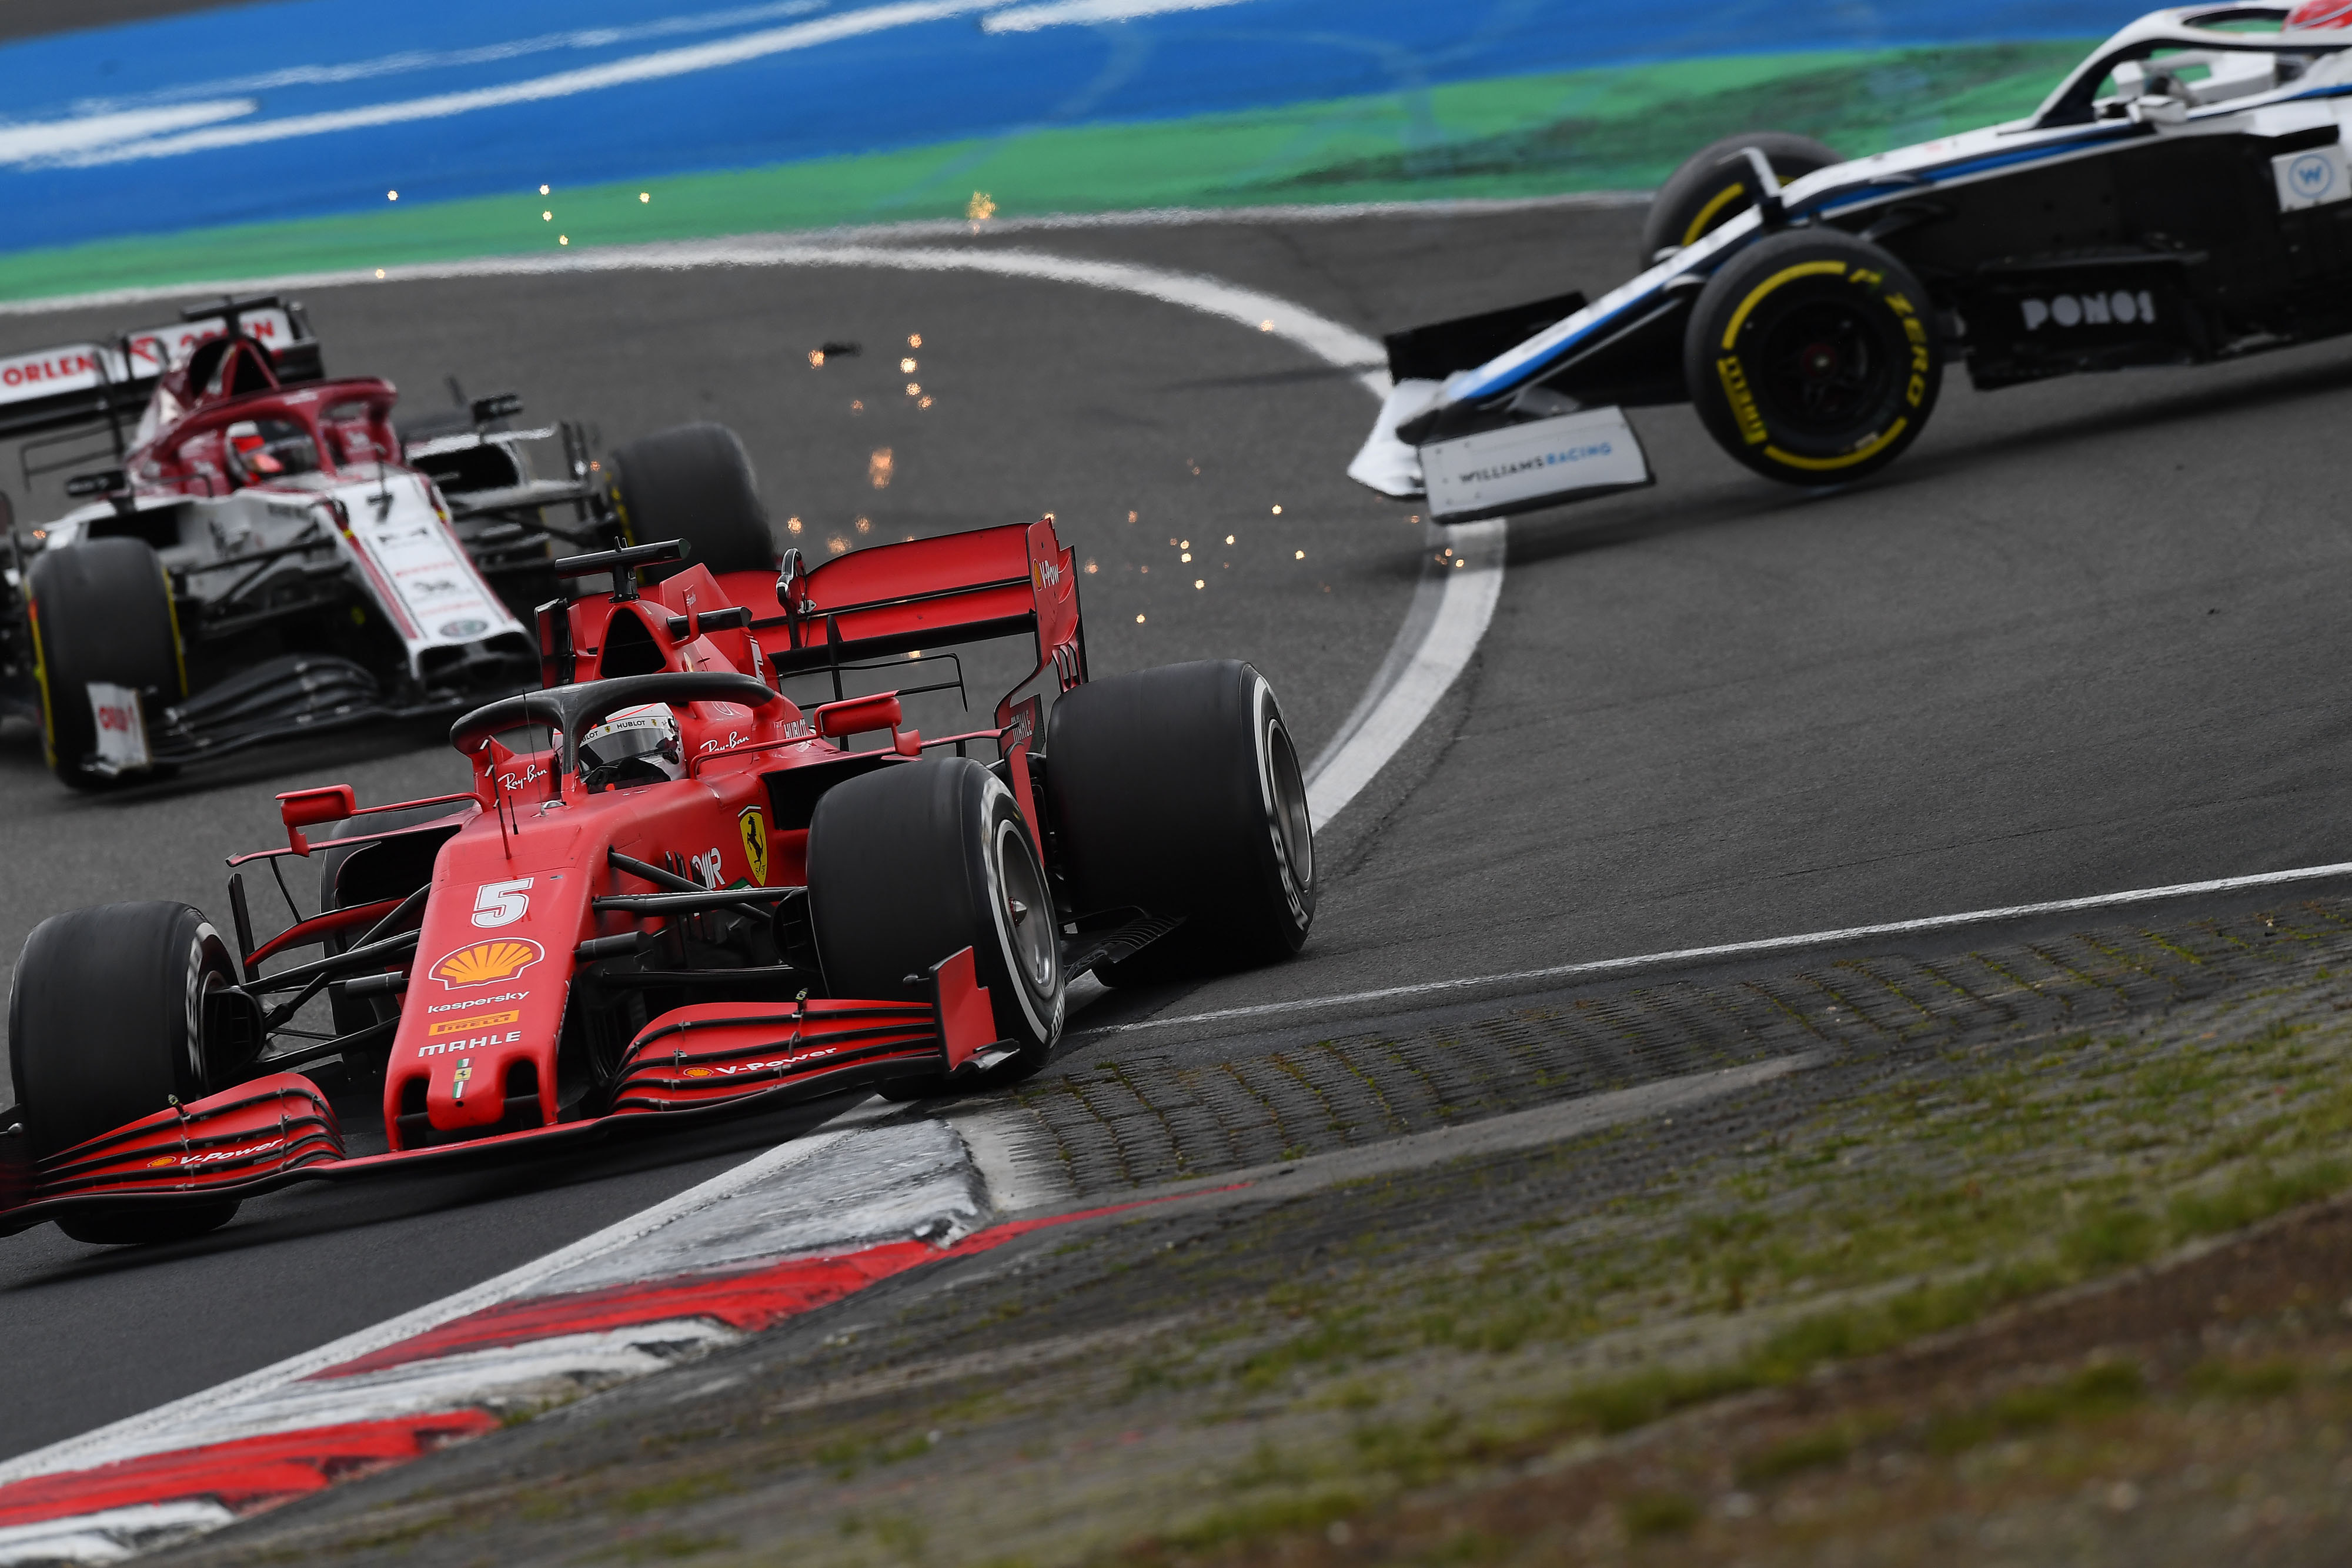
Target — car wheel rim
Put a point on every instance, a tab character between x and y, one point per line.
1027	909
1294	827
1825	369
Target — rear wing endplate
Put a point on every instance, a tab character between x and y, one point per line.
80	384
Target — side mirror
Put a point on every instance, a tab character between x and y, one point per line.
105	482
301	809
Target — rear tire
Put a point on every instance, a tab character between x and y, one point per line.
99	611
1811	356
913	863
1713	186
1178	791
106	1025
694	483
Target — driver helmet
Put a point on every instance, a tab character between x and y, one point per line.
2318	16
270	449
636	746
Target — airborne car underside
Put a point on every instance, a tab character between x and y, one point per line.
2180	198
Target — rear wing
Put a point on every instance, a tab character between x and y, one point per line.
896	598
84	384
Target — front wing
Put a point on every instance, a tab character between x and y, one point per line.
697	1061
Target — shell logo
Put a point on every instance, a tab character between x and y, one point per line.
483	963
697	1072
165	1160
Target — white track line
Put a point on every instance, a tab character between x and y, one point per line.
1419	669
1742	949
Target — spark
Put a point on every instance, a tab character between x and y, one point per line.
907	366
923	403
836	544
1139	620
816	358
379	272
1278	511
543	189
391	196
914	339
879	468
1266	326
547	217
1130	517
563	239
1298	555
914	388
1185	557
644	195
793	523
1090	568
1200	582
864	525
1229	539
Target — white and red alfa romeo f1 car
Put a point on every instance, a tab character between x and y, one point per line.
268	554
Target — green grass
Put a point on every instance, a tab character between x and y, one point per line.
1619	128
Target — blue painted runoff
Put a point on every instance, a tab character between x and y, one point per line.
306	108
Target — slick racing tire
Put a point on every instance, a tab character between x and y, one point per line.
99	611
694	483
115	1013
1812	357
916	861
1177	790
1716	184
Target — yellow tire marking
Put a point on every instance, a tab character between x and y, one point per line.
1755	294
1843	460
41	679
1716	203
172	610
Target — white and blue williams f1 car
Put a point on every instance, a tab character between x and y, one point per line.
2180	197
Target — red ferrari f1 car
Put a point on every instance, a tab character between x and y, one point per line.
670	891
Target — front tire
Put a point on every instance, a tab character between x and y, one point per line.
99	611
694	483
1715	186
107	1023
915	862
1811	358
1178	791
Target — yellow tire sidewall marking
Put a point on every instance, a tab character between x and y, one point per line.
1869	449
1716	203
1755	294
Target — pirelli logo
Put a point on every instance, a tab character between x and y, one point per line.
1743	405
480	1021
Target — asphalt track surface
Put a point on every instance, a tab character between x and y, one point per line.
2081	638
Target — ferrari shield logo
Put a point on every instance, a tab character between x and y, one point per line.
754	824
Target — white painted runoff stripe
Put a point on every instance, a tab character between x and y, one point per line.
1742	949
1087	13
658	66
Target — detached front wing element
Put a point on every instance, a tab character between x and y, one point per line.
1569	457
709	1052
225	1140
